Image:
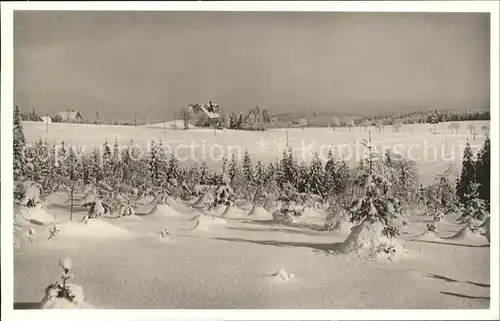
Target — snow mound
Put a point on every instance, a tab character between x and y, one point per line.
198	189
61	303
259	212
284	218
37	215
89	197
145	200
283	275
94	228
220	209
367	241
209	220
167	210
446	220
466	234
202	201
31	191
131	218
312	213
485	223
427	236
397	222
50	302
200	226
342	226
232	211
484	229
56	197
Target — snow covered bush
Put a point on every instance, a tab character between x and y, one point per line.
403	174
283	275
439	197
62	294
53	231
19	143
260	198
289	199
373	212
431	227
337	218
164	233
127	210
474	209
482	171
162	196
97	208
222	195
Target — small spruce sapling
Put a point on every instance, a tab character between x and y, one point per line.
260	197
474	209
467	177
223	193
96	209
377	202
289	197
431	227
61	289
164	233
53	231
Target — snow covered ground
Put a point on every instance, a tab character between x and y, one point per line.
249	261
432	153
233	263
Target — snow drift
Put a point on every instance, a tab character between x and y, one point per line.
259	212
467	235
51	302
199	227
37	215
148	199
220	209
342	226
166	210
93	228
31	191
232	212
428	236
312	213
283	275
202	200
367	241
484	229
208	220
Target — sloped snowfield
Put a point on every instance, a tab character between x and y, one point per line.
433	153
245	262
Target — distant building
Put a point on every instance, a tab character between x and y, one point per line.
211	109
70	115
46	119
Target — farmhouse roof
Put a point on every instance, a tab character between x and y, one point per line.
46	119
205	109
70	114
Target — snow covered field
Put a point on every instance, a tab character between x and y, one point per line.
432	153
234	260
228	263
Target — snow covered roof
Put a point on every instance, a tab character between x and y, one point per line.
205	109
46	119
70	114
209	114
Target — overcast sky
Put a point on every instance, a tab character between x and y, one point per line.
156	62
